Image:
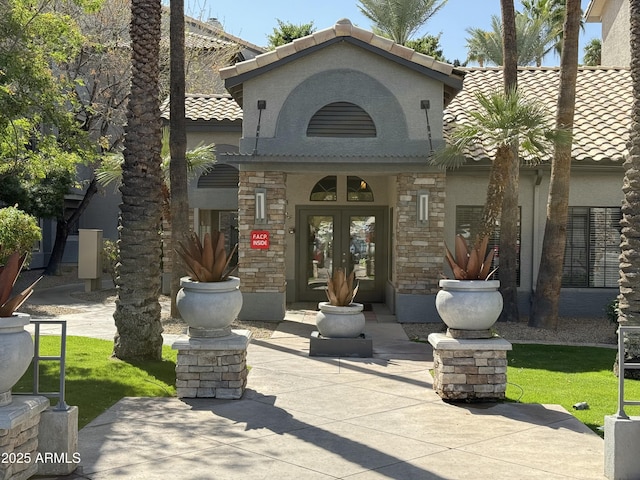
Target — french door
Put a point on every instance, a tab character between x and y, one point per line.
346	237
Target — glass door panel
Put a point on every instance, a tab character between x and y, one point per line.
319	258
332	238
362	250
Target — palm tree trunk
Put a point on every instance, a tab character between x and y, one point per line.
137	315
544	312
509	217
629	298
178	148
495	192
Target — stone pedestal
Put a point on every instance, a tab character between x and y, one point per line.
19	423
472	370
58	439
360	346
212	367
621	439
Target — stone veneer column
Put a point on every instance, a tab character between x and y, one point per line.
213	367
19	425
418	248
262	272
469	370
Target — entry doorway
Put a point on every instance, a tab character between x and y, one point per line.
347	237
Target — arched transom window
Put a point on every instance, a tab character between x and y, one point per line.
326	190
341	119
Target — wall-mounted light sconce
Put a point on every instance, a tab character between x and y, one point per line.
261	205
423	207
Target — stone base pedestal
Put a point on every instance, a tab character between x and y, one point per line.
469	370
212	367
58	439
621	439
361	346
19	423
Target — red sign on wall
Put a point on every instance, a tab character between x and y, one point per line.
260	239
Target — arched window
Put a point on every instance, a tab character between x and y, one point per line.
358	190
341	119
325	190
220	176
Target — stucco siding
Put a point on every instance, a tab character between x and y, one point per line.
616	50
390	93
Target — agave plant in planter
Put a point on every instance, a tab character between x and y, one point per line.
471	301
210	298
340	317
16	346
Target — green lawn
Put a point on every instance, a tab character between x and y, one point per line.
95	381
567	375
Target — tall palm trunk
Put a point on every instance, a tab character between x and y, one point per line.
544	312
178	148
509	217
137	314
629	298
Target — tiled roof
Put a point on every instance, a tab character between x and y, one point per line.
207	107
602	115
195	40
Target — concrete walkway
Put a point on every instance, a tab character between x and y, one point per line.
325	418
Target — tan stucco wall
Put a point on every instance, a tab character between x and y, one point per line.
616	50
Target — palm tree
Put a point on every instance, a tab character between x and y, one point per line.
593	53
199	160
399	19
178	146
498	121
137	314
533	41
509	215
629	297
544	311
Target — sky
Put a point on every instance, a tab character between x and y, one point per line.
254	20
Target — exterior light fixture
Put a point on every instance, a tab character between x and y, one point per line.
423	207
261	205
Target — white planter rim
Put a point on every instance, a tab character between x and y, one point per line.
18	319
229	283
474	285
351	308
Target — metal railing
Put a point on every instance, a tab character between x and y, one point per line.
622	366
37	358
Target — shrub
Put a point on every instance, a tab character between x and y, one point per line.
611	309
109	258
19	231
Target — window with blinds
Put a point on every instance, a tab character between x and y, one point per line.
591	255
467	218
341	119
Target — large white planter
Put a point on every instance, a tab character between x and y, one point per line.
209	308
469	304
340	322
16	352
